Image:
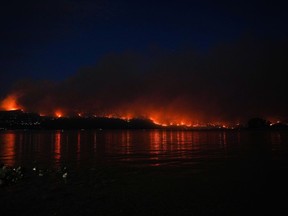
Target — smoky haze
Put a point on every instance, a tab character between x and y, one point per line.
231	82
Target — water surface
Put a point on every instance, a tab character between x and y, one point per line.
139	147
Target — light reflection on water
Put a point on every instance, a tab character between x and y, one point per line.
8	148
137	147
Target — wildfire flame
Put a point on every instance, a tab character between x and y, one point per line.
10	103
58	114
172	120
162	118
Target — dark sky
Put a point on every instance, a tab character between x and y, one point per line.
212	60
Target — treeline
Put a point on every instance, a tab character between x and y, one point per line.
21	120
97	123
260	123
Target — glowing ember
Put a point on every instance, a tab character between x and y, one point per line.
165	123
58	114
127	117
10	103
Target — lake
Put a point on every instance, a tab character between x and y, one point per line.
147	172
83	149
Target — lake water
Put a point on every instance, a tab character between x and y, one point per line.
84	149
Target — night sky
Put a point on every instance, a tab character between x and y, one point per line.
168	60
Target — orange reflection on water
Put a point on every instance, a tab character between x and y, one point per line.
176	144
222	139
173	140
155	142
126	142
78	147
9	148
57	147
94	142
78	142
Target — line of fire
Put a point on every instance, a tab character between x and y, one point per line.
18	119
12	116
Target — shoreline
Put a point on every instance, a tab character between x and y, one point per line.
233	189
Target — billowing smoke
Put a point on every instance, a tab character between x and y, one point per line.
232	82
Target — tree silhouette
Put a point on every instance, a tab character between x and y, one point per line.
258	123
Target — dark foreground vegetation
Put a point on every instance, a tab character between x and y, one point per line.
21	120
246	187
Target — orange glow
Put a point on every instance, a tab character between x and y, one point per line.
165	119
126	117
9	148
58	114
175	121
10	103
171	116
57	147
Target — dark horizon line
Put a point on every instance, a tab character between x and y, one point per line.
18	119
